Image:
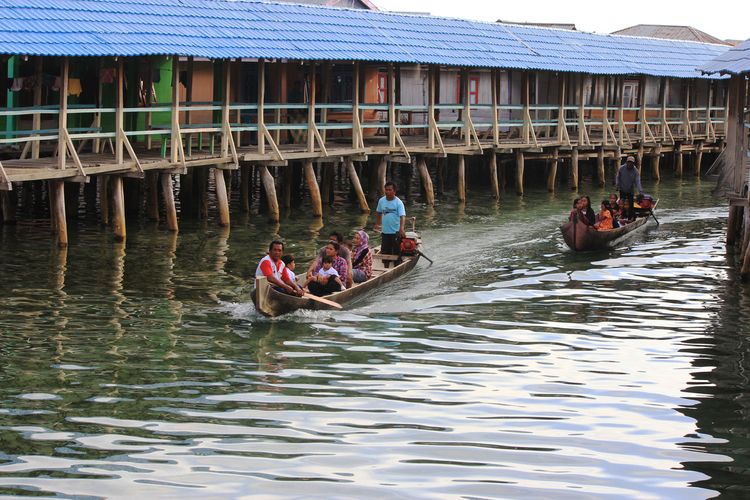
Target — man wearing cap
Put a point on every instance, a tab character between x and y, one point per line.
628	180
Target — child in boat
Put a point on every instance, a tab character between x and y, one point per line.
289	266
326	281
604	217
574	212
624	211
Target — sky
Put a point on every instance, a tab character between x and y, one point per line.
725	19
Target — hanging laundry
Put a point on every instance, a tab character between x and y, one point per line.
74	86
107	75
17	84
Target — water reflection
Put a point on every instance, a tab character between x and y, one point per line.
509	368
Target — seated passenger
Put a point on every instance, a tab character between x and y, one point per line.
574	212
624	212
339	264
289	264
613	205
362	257
272	267
587	214
604	218
326	280
343	252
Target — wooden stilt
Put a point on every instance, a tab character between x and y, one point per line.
222	200
600	175
552	174
286	187
655	160
245	173
201	184
169	205
312	185
103	181
382	168
270	187
461	185
519	172
354	180
10	202
152	195
326	184
679	158
493	176
734	214
118	205
574	168
58	208
424	175
698	159
639	158
51	193
441	176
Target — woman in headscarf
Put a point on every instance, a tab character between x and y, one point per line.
361	257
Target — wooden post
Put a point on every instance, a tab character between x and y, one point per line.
222	199
326	98
519	172
9	203
600	167
37	120
698	159
152	195
431	130
270	187
655	159
225	100
424	175
312	185
605	113
678	161
382	168
356	123
169	204
176	136
119	112
103	181
63	117
57	199
391	106
461	185
261	110
494	183
494	117
525	131
465	100
734	215
639	157
245	173
118	203
311	109
354	179
552	175
574	168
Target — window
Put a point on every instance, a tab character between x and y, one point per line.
630	94
473	90
382	87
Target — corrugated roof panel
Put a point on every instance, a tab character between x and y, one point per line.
735	61
250	28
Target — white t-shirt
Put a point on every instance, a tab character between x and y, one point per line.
329	272
290	276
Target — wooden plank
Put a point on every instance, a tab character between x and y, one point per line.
63	117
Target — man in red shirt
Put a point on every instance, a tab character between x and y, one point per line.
272	267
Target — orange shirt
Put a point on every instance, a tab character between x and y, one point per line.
605	221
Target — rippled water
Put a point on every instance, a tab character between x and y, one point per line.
510	368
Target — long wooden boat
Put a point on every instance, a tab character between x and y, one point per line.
581	237
385	268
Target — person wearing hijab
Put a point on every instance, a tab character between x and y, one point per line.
361	257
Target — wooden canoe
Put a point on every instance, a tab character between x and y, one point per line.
271	302
582	237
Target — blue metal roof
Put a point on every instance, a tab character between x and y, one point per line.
220	29
735	61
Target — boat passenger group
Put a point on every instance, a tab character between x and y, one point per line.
340	263
614	212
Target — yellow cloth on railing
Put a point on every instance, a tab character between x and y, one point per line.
74	86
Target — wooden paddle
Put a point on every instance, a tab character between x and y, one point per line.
322	300
426	257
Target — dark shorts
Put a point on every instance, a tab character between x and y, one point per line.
390	244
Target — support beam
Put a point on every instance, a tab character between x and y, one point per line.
222	199
37	120
152	195
382	169
118	204
679	158
494	183
63	116
519	172
574	168
9	204
698	159
391	106
57	199
270	188
261	108
424	175
461	185
103	181
655	159
639	158
357	186
312	185
119	112
552	174
169	204
246	171
600	173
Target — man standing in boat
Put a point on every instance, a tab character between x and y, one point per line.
628	180
272	267
390	221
